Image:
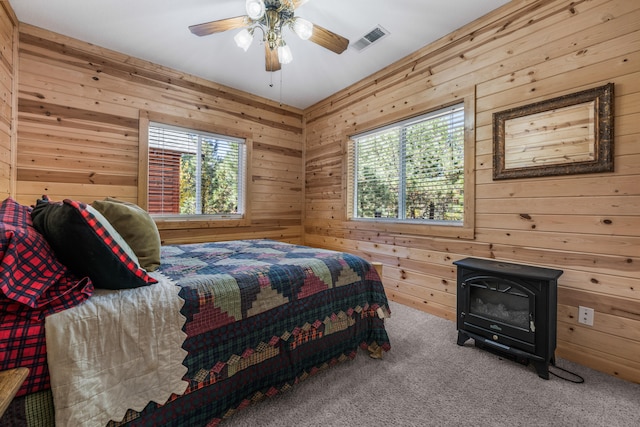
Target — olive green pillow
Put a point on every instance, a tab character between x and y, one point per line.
137	228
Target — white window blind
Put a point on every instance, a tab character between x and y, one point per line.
411	170
195	173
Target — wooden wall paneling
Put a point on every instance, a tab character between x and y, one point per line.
463	52
606	362
608	184
587	225
196	235
444	311
582	261
625	287
419	285
609	324
605	304
605	42
8	85
83	106
592	339
591	76
138	77
597	224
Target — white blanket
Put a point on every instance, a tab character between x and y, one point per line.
118	350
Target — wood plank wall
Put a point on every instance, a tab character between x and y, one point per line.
79	107
8	70
587	225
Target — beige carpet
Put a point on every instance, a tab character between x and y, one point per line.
428	380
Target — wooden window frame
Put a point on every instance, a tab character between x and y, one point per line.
466	230
188	221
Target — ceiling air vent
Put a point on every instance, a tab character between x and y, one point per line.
370	38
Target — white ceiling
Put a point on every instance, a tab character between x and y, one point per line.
157	31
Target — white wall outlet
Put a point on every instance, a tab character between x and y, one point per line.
585	315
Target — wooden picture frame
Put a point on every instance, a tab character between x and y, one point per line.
570	134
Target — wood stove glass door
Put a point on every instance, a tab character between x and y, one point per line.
501	306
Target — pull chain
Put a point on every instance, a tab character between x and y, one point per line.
281	71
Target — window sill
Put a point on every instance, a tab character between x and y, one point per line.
419	228
180	222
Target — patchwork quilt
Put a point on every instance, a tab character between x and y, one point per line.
260	316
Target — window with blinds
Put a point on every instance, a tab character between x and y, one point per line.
412	170
195	173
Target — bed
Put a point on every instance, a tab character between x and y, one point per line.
216	327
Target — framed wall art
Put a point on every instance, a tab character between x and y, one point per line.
570	134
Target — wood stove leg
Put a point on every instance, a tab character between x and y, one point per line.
542	368
462	338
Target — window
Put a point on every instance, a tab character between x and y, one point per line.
412	171
195	173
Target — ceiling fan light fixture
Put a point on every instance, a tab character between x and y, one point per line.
271	17
303	28
284	54
243	39
255	9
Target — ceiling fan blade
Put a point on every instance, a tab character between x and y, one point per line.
221	25
329	39
271	58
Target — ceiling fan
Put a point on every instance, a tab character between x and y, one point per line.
271	16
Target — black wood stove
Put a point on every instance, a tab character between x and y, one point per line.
509	309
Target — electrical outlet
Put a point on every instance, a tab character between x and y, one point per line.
585	315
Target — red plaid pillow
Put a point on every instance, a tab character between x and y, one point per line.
28	266
87	243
